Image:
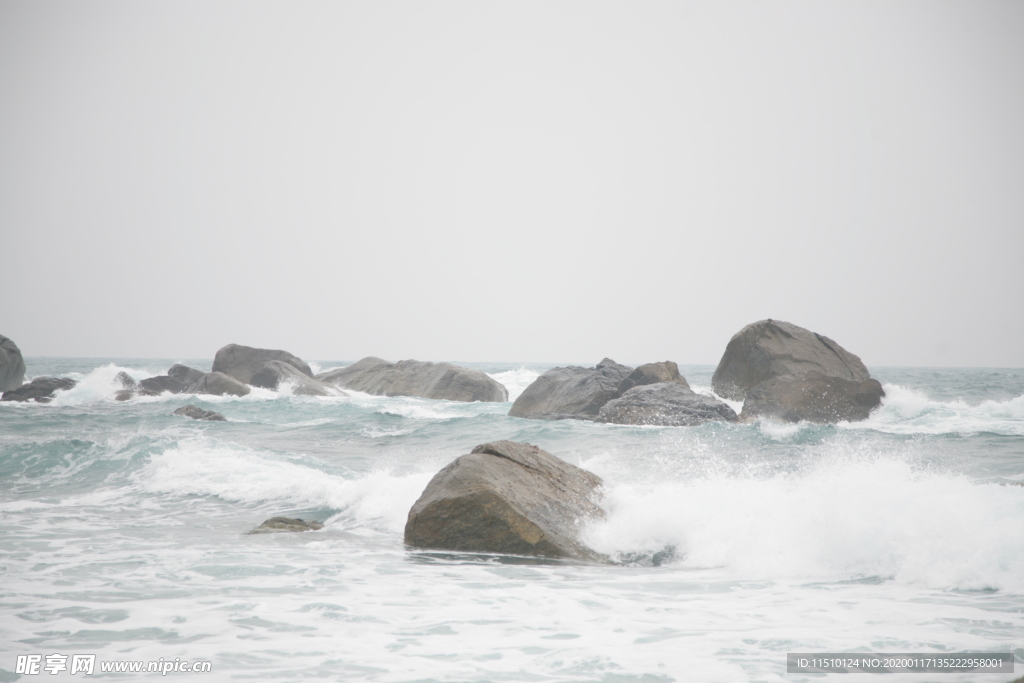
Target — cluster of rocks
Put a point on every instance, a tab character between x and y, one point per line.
12	378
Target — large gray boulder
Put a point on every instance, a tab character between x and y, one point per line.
184	374
571	392
277	372
445	381
665	404
813	397
154	386
507	497
242	362
40	390
651	373
218	384
773	348
12	365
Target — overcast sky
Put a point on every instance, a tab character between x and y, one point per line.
517	181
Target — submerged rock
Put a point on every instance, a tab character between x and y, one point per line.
571	392
154	386
276	525
666	404
197	413
40	390
813	397
12	365
773	348
242	362
184	374
218	384
507	497
443	381
276	372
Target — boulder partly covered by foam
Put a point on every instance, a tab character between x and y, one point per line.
664	404
772	348
275	373
217	383
197	413
154	386
12	365
242	362
444	381
507	497
40	390
571	392
813	397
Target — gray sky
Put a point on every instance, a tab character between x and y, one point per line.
513	181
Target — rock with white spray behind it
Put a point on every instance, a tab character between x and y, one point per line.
441	381
40	390
275	373
242	362
571	392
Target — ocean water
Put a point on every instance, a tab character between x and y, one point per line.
123	534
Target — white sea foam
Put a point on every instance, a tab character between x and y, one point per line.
908	411
516	381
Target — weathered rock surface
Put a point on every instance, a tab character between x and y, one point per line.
276	372
197	413
154	386
443	381
242	362
651	373
12	365
276	525
666	404
813	397
184	374
773	348
124	394
40	390
571	392
507	497
125	381
218	384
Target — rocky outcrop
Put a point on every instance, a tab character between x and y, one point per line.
154	386
813	397
772	348
651	373
276	525
12	365
124	381
242	362
276	372
442	381
507	497
184	374
665	404
197	413
40	390
218	384
571	392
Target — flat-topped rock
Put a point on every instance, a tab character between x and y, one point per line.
275	373
507	497
218	384
40	390
443	381
571	392
154	386
665	404
242	362
197	413
813	397
773	348
277	525
12	365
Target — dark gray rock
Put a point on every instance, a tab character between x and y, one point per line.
125	381
813	397
184	374
154	386
442	381
571	392
218	384
276	372
276	525
197	413
772	348
666	404
12	365
40	390
651	373
242	362
124	394
507	497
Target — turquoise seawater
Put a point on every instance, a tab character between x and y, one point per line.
124	527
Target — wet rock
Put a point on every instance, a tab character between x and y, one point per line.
154	386
124	394
276	372
12	365
125	381
507	497
666	404
773	348
40	390
184	374
571	392
218	384
197	413
442	381
276	525
242	362
651	373
813	397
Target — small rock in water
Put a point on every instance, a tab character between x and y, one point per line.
154	386
40	390
197	413
276	525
